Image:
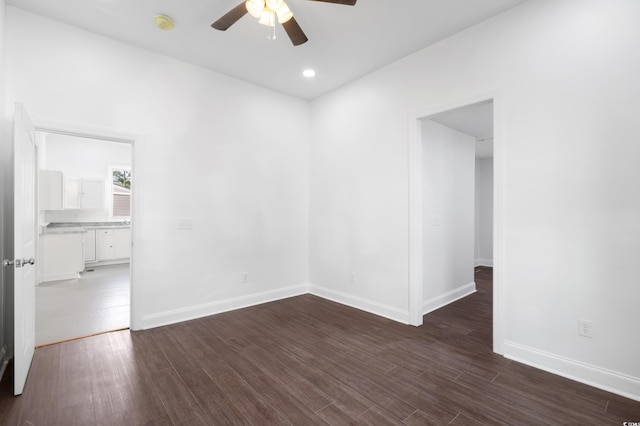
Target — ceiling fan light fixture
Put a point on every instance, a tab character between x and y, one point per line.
268	17
255	7
267	11
275	4
284	13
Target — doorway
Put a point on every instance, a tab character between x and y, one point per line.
452	215
84	217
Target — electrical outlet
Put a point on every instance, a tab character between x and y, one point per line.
585	328
245	277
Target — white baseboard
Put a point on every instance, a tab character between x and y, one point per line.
449	297
198	311
359	303
579	371
484	262
57	277
89	265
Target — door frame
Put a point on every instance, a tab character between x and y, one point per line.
136	141
416	292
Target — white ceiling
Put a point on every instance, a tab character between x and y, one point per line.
474	120
345	42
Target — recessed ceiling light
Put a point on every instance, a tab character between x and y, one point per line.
309	73
164	22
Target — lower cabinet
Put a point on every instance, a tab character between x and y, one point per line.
113	244
105	244
90	246
122	243
61	256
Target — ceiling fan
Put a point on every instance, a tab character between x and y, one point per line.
267	11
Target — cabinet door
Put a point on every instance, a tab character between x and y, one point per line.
105	244
60	256
92	194
123	243
49	190
72	193
90	246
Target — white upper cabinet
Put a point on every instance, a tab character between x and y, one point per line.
50	190
72	192
83	193
92	194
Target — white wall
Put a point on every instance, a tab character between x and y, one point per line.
212	151
448	184
484	212
565	77
84	157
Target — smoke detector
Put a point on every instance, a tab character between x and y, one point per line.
164	22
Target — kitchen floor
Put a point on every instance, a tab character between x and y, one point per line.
96	302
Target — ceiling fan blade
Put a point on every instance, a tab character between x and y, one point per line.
294	32
345	2
230	17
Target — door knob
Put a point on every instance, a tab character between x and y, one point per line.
18	262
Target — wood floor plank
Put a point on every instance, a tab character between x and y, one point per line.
138	399
167	341
147	349
335	414
252	405
284	377
10	407
463	420
240	364
420	418
377	416
180	404
349	401
76	415
287	404
213	400
74	388
39	401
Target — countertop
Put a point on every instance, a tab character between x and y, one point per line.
82	227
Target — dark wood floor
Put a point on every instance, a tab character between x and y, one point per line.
304	361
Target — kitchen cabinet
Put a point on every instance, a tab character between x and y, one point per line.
105	244
49	190
61	256
113	244
90	246
122	243
72	192
92	194
83	193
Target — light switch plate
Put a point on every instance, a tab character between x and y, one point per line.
185	224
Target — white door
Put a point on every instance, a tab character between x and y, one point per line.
24	245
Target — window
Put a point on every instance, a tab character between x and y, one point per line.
121	192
